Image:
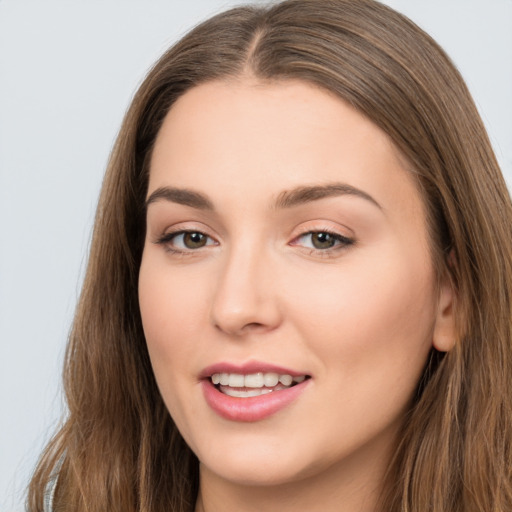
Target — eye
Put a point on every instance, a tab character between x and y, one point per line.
323	240
181	241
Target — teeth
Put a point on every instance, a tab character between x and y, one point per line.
236	380
285	380
271	379
255	381
245	393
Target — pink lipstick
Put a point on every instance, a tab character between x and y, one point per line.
252	391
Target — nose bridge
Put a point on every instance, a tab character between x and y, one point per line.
245	298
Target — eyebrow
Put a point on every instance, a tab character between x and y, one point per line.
286	199
302	195
182	196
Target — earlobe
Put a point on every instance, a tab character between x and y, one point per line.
445	332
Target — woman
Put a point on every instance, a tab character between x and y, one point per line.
299	284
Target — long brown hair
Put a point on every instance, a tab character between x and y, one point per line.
119	449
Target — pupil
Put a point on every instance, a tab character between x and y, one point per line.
194	240
323	240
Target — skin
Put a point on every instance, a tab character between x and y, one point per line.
359	318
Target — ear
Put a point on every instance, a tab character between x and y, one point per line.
445	332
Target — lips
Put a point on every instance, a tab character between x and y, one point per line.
251	392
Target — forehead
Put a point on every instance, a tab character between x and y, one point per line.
246	138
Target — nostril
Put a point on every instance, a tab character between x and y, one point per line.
253	325
240	330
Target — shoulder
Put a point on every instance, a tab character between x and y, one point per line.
49	492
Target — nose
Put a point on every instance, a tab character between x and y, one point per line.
246	296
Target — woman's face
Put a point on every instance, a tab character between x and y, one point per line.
287	257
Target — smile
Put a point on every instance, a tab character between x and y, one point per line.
253	384
248	395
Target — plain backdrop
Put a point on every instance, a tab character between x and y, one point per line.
67	72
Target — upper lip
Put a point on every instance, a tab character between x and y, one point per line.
247	368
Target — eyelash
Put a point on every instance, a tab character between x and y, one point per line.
167	238
341	242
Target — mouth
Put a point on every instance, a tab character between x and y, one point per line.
241	385
251	391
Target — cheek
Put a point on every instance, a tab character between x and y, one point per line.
171	319
376	313
171	315
369	331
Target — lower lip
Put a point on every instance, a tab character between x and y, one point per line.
253	408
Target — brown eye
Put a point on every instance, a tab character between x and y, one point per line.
194	240
322	240
185	241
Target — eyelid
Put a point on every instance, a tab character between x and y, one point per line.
166	238
342	241
334	234
323	226
174	234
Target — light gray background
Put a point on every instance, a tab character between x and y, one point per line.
67	72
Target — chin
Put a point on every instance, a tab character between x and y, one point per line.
263	462
270	472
